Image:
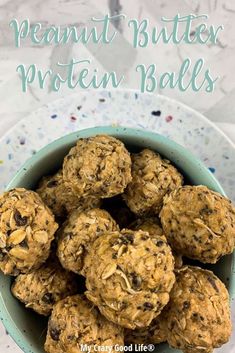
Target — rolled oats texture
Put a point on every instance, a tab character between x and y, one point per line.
199	223
75	321
61	198
131	277
77	235
197	318
155	333
153	226
27	228
98	166
152	178
42	288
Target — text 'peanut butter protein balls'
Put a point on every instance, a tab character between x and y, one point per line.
78	233
131	277
98	166
152	178
199	223
27	228
75	322
42	288
197	317
61	198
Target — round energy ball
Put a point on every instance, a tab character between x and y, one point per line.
155	333
79	232
199	223
152	178
61	198
152	225
197	318
42	288
131	277
27	228
99	166
75	322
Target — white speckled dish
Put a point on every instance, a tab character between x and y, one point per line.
126	108
120	107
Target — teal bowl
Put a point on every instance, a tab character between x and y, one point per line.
27	328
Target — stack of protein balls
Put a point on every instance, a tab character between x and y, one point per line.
122	222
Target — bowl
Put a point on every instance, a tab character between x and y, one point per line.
27	328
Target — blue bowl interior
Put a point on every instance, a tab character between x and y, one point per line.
27	328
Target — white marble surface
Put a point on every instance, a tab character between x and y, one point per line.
218	106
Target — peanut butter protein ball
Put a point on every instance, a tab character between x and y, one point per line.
75	322
197	318
131	277
27	228
99	166
199	223
61	198
152	178
77	235
42	288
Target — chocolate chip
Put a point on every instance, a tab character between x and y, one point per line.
186	305
160	243
195	317
148	306
20	221
24	244
206	210
52	183
71	337
54	332
48	298
127	238
212	282
136	281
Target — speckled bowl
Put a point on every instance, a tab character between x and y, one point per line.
28	329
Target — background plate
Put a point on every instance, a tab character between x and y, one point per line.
128	108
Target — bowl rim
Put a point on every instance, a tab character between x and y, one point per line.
103	130
70	138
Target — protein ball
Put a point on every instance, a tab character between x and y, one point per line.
152	178
152	225
42	288
98	166
131	276
155	333
198	315
79	232
61	198
75	322
27	228
199	223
